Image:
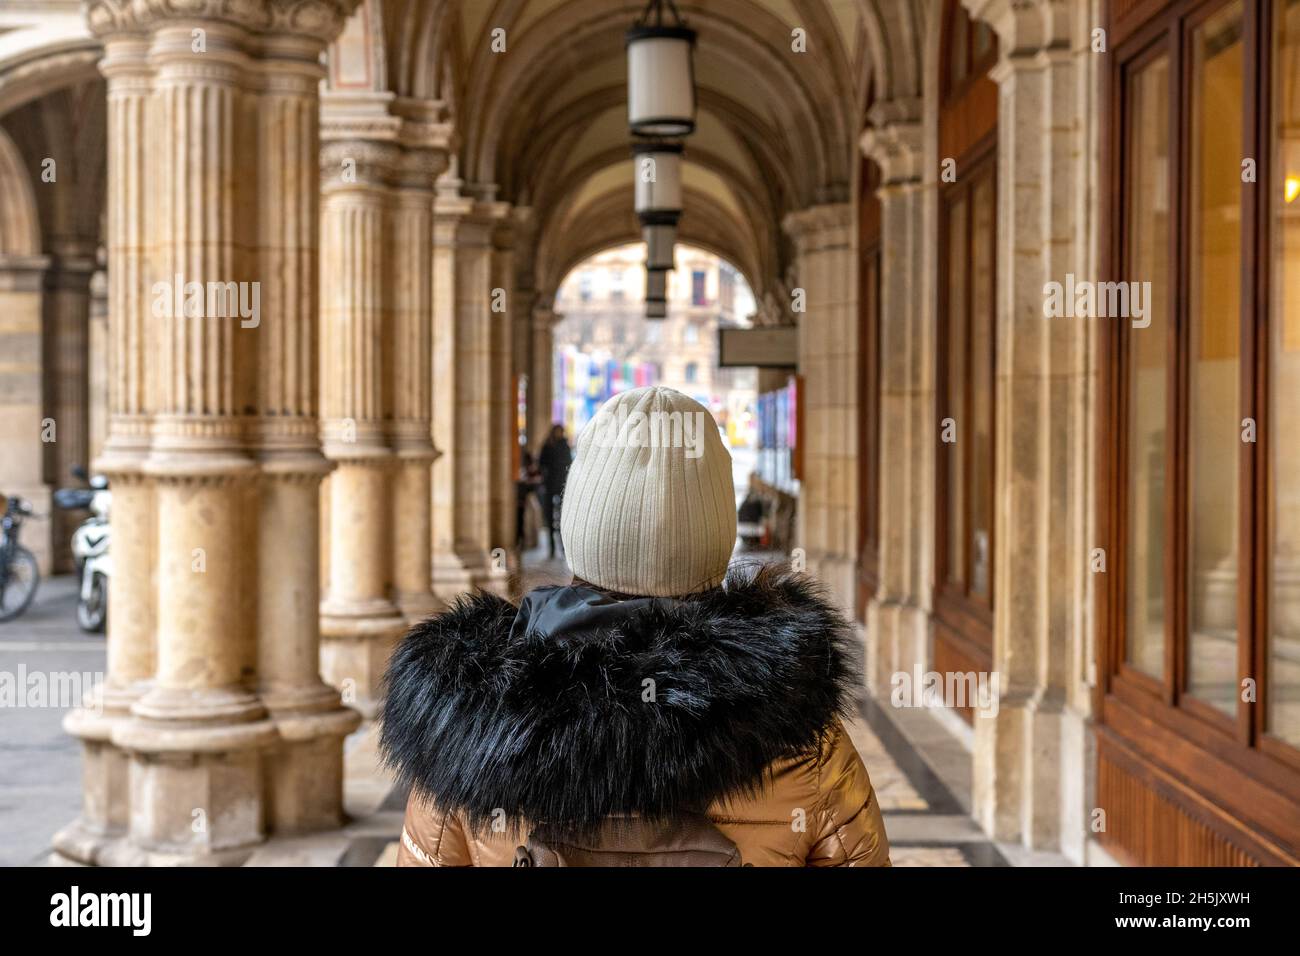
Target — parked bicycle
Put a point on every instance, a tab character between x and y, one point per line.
19	574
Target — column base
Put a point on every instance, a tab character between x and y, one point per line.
356	643
898	640
450	577
305	772
196	790
417	606
1016	772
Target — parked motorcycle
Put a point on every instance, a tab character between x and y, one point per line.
19	574
90	549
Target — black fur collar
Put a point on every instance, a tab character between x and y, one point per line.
545	713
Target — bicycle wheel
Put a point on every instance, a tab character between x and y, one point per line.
20	584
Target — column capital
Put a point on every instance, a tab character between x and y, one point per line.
318	20
1026	27
820	227
896	147
357	163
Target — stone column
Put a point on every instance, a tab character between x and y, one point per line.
67	366
450	575
1031	765
463	382
541	382
305	771
828	363
23	411
196	777
99	348
502	309
131	644
476	384
411	432
898	615
204	136
360	623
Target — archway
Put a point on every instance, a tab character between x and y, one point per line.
602	344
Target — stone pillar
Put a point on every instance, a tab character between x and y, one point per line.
463	377
477	386
411	432
99	349
67	366
1045	384
105	777
503	448
360	623
22	400
449	573
898	615
305	771
828	363
195	740
541	382
212	449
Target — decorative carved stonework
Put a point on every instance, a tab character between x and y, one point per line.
321	20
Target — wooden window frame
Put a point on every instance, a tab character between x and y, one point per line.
976	67
966	617
1232	760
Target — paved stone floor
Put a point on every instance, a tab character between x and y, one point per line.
923	800
40	766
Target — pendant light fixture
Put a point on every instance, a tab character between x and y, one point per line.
658	180
660	73
656	293
659	241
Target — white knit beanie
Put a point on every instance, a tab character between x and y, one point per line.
650	507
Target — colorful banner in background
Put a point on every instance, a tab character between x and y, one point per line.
585	381
778	435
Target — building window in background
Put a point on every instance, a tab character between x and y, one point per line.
584	286
699	288
692	372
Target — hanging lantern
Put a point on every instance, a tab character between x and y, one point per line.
658	179
660	73
659	241
656	293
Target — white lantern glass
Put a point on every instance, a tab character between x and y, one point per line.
661	81
658	177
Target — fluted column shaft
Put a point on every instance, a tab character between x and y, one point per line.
503	449
473	335
306	776
359	620
213	448
450	572
411	435
131	643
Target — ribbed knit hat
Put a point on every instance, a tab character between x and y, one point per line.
650	506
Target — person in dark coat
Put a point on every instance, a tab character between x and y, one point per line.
555	458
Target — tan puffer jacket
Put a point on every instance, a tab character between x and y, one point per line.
579	706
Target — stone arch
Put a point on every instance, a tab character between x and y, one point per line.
20	226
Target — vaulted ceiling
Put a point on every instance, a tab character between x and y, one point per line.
782	86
